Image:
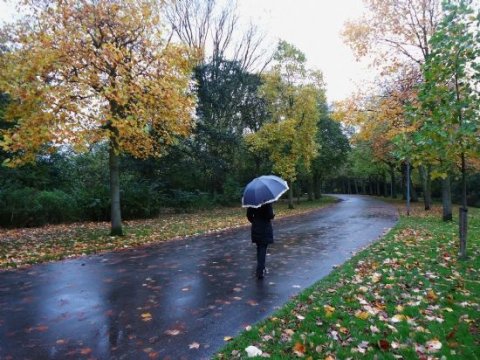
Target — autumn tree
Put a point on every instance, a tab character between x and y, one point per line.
86	72
293	95
379	119
394	32
449	97
395	35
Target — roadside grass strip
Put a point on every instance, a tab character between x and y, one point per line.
405	297
25	246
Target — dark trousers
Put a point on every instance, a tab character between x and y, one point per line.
261	254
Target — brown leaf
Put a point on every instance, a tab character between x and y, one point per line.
86	351
383	344
299	349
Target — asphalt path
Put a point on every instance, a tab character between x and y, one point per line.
177	299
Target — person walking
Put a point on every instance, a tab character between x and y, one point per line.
261	233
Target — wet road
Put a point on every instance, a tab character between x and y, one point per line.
175	300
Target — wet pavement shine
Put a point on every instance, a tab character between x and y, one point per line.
177	299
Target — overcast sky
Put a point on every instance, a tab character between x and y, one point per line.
313	26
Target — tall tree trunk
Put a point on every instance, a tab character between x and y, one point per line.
311	191
463	209
413	192
317	186
290	197
364	189
407	186
463	228
393	188
427	185
385	185
446	200
115	210
299	191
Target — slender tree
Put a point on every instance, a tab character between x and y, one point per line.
450	95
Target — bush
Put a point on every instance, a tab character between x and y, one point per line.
232	192
19	207
186	200
27	207
93	203
56	207
139	201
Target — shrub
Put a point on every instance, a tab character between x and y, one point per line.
56	207
25	207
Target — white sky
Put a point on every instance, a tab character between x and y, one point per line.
313	26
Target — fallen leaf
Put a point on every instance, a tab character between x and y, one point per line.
398	318
362	315
431	295
329	310
172	332
194	345
376	277
253	351
85	351
146	316
383	344
299	349
374	329
433	345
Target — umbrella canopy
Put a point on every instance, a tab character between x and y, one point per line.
263	190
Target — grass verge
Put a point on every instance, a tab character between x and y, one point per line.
405	297
26	246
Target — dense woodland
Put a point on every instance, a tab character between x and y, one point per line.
89	132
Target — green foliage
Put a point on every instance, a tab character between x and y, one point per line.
447	113
293	96
30	207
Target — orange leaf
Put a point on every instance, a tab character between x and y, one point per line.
299	349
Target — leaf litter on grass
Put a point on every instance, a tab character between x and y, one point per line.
407	296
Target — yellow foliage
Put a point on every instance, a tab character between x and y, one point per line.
90	71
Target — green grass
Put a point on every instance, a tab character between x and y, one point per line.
23	247
405	297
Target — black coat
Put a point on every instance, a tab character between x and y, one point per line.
262	231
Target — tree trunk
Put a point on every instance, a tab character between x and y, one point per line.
413	192
446	200
393	188
385	185
115	211
426	184
290	197
408	188
316	186
463	228
311	191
